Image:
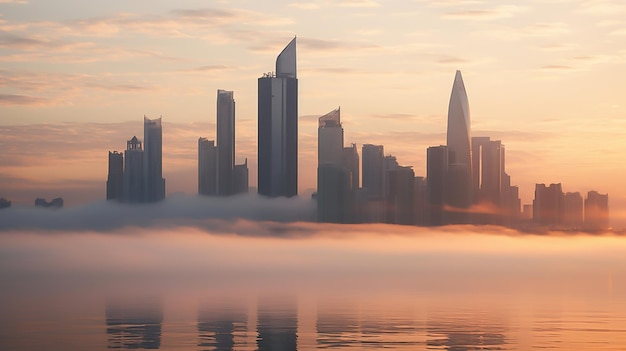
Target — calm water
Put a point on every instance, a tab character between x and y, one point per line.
349	289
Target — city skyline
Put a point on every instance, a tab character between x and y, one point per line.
539	123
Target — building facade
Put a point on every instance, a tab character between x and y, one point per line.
154	184
225	142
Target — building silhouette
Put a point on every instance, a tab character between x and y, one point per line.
115	178
573	210
400	196
459	187
372	170
548	205
241	178
207	167
153	183
487	170
225	142
54	203
133	184
596	211
437	181
278	127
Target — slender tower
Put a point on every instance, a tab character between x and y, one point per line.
225	142
154	184
278	127
459	189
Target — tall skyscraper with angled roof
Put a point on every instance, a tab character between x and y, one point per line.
459	189
278	127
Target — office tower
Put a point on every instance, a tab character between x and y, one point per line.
573	210
154	184
351	161
333	179
330	139
240	178
548	204
487	170
372	170
596	211
420	202
437	180
459	186
207	167
225	142
278	127
400	195
133	171
116	176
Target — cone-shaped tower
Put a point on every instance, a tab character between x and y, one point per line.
459	189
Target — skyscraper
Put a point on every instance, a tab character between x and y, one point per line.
487	169
596	211
333	181
459	147
116	176
573	210
133	171
240	178
154	184
225	142
207	167
548	204
278	127
436	181
372	170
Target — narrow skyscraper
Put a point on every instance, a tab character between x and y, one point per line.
372	164
116	176
207	167
459	189
225	142
278	127
154	184
133	171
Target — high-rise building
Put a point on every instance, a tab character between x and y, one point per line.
207	167
333	179
596	211
400	195
240	178
115	178
351	161
548	205
437	180
372	170
487	170
133	171
154	184
459	188
225	142
278	127
573	210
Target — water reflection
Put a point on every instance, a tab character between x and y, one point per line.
461	332
134	323
222	325
277	323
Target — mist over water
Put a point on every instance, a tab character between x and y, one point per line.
310	285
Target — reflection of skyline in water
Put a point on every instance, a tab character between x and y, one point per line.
219	324
277	323
134	323
465	331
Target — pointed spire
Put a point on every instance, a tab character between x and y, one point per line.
286	61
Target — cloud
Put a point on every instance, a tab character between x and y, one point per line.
498	12
208	213
305	5
18	2
603	7
22	100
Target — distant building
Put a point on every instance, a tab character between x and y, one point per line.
55	203
596	211
207	167
115	179
225	142
133	184
459	187
4	203
154	184
420	202
372	170
437	180
240	178
400	196
548	205
573	210
278	127
487	169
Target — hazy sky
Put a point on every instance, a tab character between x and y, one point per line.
544	76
